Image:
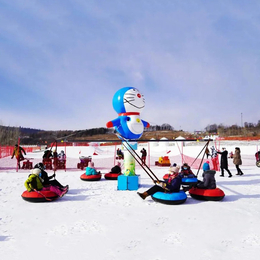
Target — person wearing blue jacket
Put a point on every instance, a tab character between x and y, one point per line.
90	170
172	184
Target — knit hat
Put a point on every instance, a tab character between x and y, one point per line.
36	171
175	169
205	167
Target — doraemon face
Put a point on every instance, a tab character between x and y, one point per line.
133	101
128	99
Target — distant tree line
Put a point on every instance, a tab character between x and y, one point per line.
163	127
8	135
28	136
248	129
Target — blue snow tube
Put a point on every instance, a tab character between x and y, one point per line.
189	181
173	198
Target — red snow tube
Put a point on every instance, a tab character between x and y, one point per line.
41	196
95	177
207	194
112	176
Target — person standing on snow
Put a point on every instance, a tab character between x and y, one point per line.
224	162
237	160
207	152
143	157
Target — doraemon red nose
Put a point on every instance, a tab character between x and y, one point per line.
139	95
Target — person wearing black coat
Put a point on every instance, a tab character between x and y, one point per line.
224	162
116	168
144	154
46	180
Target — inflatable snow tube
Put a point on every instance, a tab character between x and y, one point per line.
207	194
189	181
41	196
111	176
85	177
173	198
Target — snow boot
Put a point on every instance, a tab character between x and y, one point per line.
143	195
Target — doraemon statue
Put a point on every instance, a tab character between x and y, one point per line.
128	102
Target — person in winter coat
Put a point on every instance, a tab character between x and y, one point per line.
47	154
186	171
62	156
18	153
237	160
90	170
119	153
173	184
213	152
257	155
224	162
34	182
47	180
208	175
166	176
116	168
207	152
143	157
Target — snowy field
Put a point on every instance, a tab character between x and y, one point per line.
96	221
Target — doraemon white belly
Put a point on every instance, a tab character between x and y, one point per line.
135	124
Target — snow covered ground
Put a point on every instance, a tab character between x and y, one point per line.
96	221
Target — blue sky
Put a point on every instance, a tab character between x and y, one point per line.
196	62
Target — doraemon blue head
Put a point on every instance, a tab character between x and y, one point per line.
128	99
